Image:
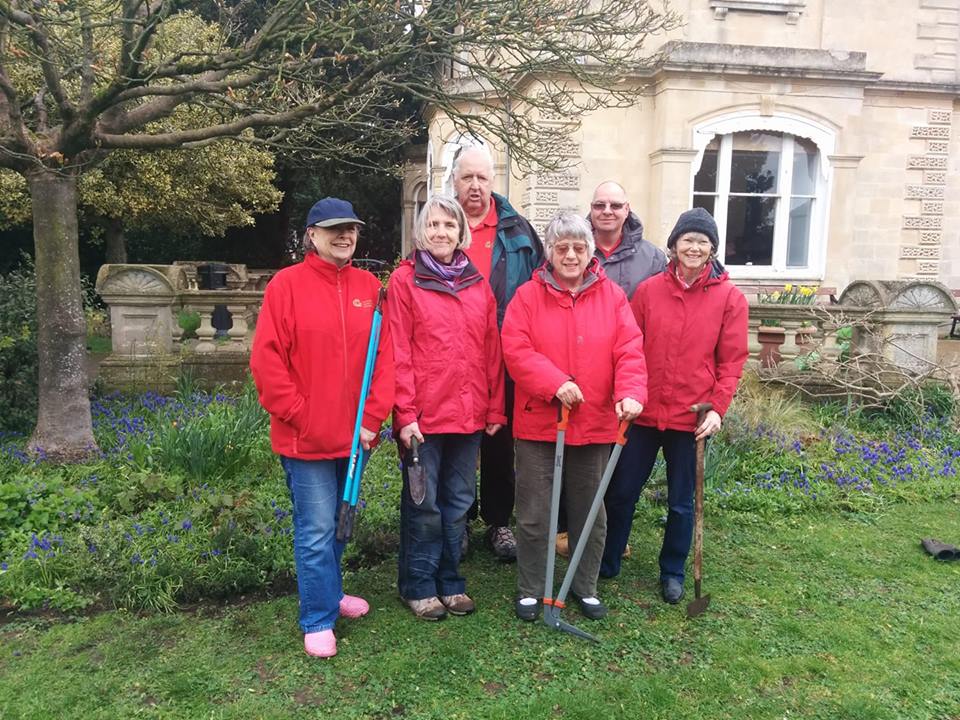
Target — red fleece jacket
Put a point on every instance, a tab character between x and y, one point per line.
308	356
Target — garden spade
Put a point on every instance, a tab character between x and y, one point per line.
418	484
553	605
699	603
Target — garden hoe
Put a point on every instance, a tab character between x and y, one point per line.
418	484
698	604
351	489
553	605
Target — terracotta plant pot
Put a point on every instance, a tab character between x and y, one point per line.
770	338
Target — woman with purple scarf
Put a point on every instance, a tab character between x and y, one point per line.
449	390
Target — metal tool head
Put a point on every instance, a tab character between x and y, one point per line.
697	607
551	618
415	476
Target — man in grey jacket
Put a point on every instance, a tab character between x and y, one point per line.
626	257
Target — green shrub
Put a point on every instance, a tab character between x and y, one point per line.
18	349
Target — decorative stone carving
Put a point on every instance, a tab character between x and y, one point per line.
931	132
923	222
927	162
926	267
924	192
920	296
563	181
931	237
935	177
140	298
938	147
931	207
917	251
904	318
862	293
939	117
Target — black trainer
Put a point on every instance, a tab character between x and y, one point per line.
672	590
592	610
527	612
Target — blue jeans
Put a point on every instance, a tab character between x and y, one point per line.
430	533
316	488
633	471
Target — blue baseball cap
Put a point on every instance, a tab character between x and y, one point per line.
332	211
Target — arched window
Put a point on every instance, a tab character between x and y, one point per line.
766	182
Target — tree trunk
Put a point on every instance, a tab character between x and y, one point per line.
116	241
64	430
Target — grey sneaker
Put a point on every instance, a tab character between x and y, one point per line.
459	604
503	543
428	608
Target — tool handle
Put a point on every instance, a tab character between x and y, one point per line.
414	450
563	418
622	430
701	409
345	521
698	516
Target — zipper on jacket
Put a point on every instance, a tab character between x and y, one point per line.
343	329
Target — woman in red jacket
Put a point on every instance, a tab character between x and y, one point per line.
568	337
694	323
307	361
449	391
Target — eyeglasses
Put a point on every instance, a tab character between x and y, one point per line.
563	249
600	206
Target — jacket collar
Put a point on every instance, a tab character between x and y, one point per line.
323	267
592	276
426	278
715	274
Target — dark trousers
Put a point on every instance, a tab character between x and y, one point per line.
632	473
582	470
497	477
429	557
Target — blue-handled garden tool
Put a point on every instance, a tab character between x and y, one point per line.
553	605
351	489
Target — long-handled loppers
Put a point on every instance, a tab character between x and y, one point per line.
553	605
351	490
699	604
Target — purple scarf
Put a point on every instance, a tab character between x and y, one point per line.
449	274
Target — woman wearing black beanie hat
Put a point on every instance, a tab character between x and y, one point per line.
694	323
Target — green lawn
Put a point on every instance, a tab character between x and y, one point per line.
823	616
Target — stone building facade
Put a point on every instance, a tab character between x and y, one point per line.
824	135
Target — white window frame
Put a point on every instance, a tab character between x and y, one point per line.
746	121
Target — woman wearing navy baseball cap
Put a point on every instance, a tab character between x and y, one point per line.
307	361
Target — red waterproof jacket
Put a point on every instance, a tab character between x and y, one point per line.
308	356
449	367
551	335
695	341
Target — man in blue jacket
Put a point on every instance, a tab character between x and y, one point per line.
506	250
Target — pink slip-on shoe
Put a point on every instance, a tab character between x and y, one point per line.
320	644
352	606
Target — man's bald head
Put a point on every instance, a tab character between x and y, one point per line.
608	212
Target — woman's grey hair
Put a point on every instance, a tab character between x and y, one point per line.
570	226
449	206
308	243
